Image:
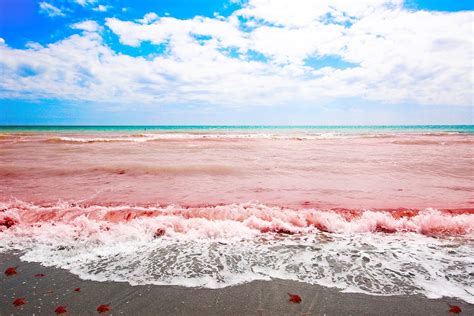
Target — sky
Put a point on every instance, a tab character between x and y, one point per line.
174	62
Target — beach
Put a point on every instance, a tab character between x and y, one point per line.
229	220
56	288
227	157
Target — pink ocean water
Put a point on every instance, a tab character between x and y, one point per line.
358	211
383	171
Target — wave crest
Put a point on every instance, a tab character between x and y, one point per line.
258	218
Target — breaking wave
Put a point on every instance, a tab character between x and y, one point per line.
169	136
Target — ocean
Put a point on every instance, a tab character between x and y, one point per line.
303	128
382	210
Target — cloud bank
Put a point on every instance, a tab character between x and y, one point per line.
268	52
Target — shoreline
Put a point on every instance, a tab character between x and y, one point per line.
44	294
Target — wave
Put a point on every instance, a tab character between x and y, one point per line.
94	139
167	137
139	138
395	252
261	218
131	169
87	138
432	142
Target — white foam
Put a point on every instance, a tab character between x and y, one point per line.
140	138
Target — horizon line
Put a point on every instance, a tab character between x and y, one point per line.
226	125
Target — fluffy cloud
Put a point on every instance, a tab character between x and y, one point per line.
269	52
302	13
50	10
166	28
82	67
101	8
88	25
148	18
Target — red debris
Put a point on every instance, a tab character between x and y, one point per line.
7	221
62	309
19	301
159	232
77	289
103	308
454	309
40	275
294	298
10	271
283	231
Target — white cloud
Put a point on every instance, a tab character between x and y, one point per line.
85	2
293	45
82	67
50	10
398	56
148	18
88	25
304	12
167	28
101	8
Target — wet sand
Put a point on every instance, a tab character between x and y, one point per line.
44	294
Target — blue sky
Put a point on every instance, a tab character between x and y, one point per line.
236	62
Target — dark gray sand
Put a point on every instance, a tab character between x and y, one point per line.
44	294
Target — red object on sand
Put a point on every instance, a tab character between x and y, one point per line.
77	289
159	232
7	222
10	271
19	301
454	309
61	309
294	298
103	308
40	275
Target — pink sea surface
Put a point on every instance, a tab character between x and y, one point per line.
362	171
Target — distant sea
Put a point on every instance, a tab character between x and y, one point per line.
178	128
